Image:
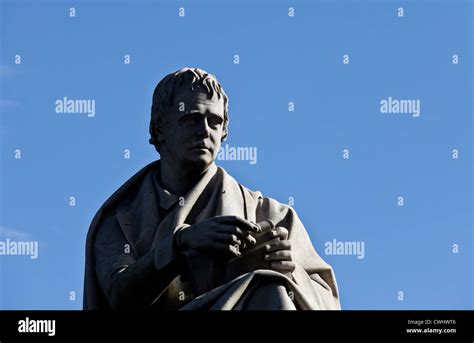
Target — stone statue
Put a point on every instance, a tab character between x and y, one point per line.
184	234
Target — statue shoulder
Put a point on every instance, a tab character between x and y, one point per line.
256	195
127	190
266	201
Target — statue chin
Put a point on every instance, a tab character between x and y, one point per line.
198	163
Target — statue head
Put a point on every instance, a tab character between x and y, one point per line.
189	117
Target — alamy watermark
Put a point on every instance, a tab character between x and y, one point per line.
231	153
75	106
15	248
28	325
346	248
402	106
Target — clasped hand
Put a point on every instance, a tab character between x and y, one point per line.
225	236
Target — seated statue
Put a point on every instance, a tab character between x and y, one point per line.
184	234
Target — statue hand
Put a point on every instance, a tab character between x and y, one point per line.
279	252
222	235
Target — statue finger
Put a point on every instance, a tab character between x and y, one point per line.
284	266
280	255
226	238
280	232
241	223
278	245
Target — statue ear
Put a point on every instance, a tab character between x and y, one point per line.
159	135
159	131
224	135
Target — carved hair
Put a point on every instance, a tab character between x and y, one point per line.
186	78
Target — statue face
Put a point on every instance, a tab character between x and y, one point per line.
193	130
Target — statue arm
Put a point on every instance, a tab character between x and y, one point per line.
127	280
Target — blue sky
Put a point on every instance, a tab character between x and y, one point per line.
300	154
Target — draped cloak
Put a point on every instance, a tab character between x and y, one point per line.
131	241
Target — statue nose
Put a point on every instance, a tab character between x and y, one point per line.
203	127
